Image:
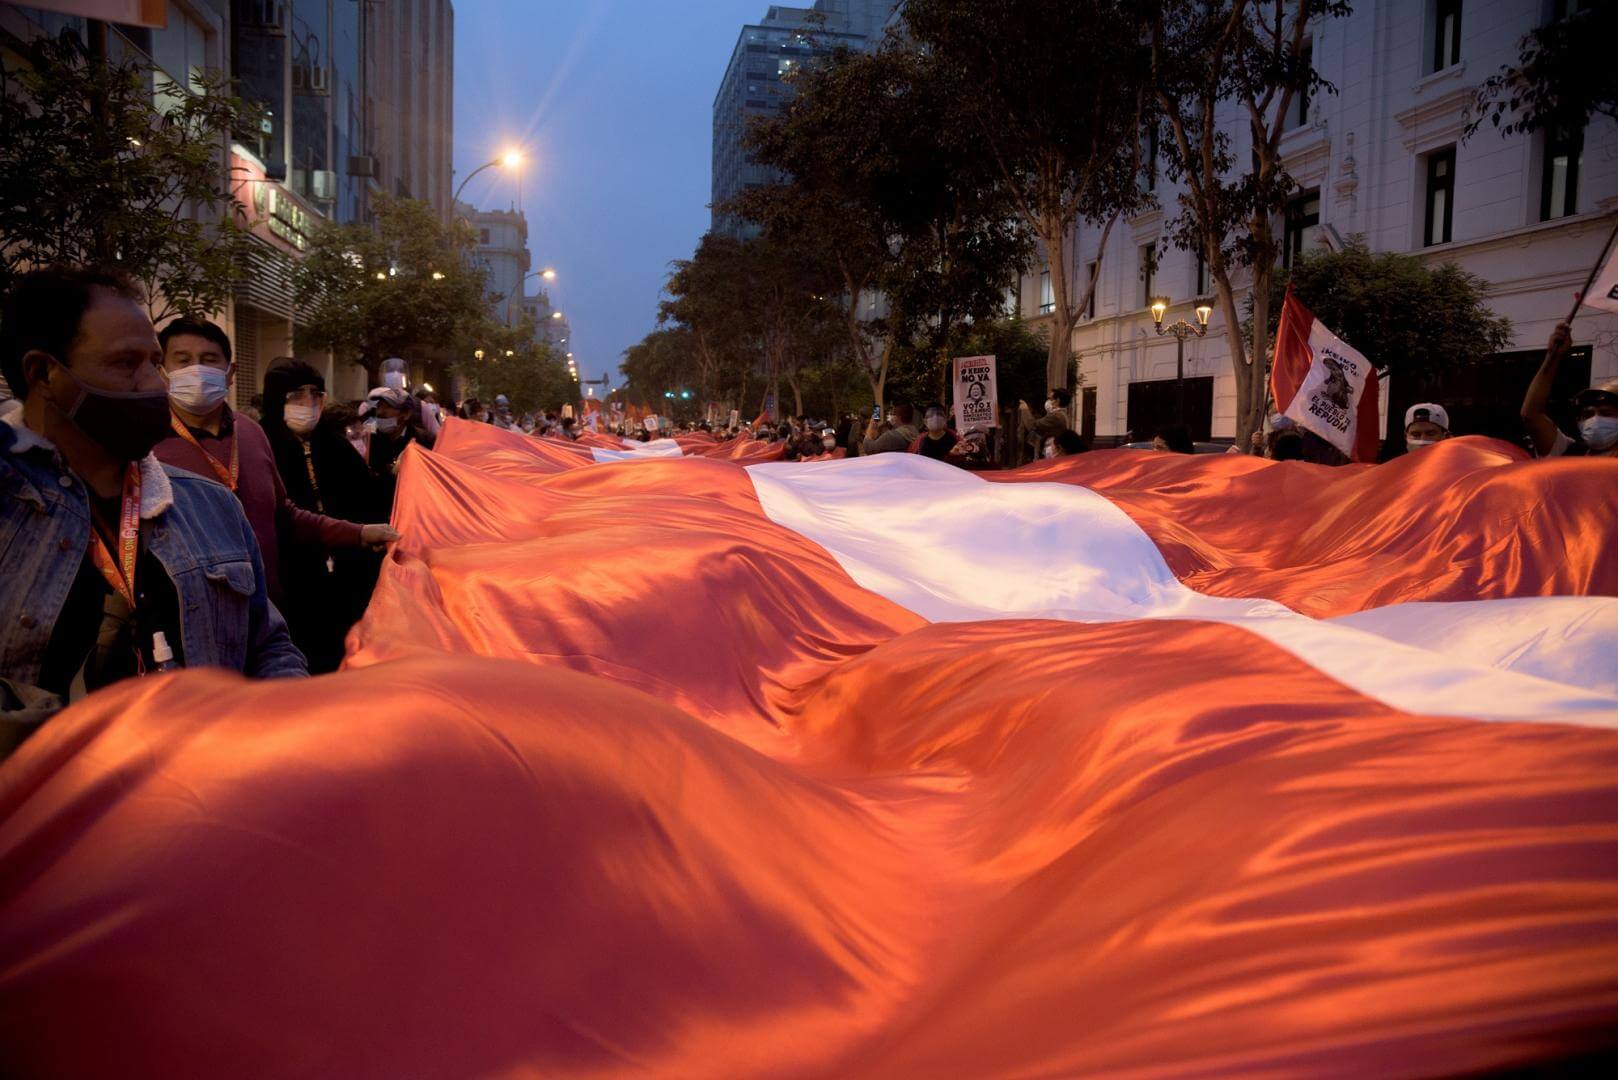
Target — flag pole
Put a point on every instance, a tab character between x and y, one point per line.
1601	261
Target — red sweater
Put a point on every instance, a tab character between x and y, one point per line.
272	515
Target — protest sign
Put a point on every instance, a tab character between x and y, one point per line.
977	394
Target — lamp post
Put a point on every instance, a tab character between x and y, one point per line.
1181	330
510	159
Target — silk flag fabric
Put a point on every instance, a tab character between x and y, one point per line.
1128	764
1324	384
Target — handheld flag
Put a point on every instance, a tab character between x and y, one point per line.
1322	383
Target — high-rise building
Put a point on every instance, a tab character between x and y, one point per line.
502	251
757	82
409	109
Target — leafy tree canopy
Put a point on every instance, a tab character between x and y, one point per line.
889	192
1406	317
517	363
371	293
100	164
1564	75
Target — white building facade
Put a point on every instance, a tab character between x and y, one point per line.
1385	159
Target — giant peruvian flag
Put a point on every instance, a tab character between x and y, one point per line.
647	760
1323	384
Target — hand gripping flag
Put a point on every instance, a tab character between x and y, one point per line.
1325	385
1125	764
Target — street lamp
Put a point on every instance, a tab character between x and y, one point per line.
510	159
556	314
477	354
1181	330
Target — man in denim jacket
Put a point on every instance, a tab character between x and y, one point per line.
111	564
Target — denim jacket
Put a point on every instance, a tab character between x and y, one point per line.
194	528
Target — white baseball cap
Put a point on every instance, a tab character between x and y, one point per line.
1428	411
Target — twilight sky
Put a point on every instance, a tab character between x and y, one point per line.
612	101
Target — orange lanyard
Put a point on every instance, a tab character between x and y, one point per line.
120	572
314	485
226	476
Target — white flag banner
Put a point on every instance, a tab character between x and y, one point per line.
1603	292
1328	401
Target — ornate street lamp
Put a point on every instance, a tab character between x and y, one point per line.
1181	330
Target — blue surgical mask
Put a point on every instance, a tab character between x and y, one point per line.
1599	432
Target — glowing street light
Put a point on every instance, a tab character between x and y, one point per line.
556	314
510	159
1181	330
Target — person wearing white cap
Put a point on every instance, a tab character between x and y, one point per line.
1596	409
1425	424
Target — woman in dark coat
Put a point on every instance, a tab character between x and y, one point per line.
323	472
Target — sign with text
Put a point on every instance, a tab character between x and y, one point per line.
1328	401
977	394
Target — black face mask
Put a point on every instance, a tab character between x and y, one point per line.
126	424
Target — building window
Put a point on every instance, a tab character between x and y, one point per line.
1202	275
1446	33
483	236
1092	280
1047	299
1302	226
1300	101
1559	184
1440	196
1148	271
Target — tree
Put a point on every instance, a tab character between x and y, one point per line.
516	363
706	294
1020	364
888	195
1053	90
1205	54
371	293
95	167
1406	317
1563	76
666	360
787	310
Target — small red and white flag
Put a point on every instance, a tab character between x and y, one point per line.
1324	384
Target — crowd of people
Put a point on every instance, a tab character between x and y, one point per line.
145	524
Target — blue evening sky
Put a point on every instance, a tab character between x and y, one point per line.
612	101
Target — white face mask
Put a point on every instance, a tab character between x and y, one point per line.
1417	444
1051	405
302	418
385	425
394	379
935	423
198	388
829	442
1050	450
1599	432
